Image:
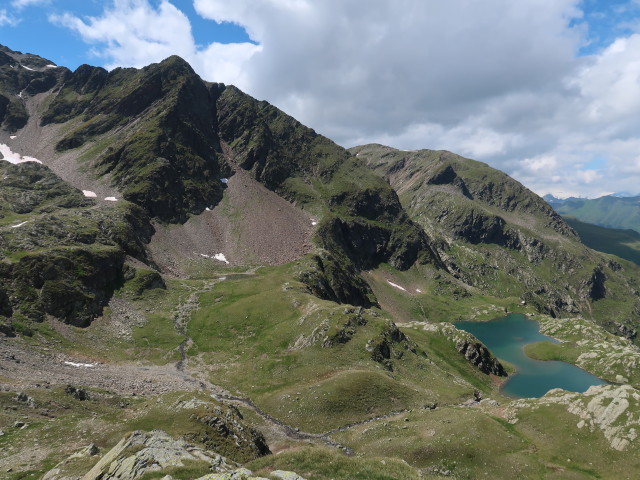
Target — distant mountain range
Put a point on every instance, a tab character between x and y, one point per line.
611	211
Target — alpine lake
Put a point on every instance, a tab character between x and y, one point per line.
506	338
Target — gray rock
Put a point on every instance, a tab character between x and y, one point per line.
286	475
154	451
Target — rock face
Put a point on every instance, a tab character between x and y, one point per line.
329	279
66	258
480	357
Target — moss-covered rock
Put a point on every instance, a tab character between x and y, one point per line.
72	284
328	278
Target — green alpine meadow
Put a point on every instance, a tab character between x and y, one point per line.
195	285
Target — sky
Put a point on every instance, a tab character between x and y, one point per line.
546	90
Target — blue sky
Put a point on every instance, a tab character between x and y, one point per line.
546	90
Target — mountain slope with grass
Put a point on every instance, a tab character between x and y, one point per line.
609	211
192	284
622	243
501	240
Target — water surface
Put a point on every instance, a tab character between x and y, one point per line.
506	338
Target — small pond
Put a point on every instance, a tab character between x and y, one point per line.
506	338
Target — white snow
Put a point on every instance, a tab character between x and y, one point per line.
397	286
208	209
89	193
19	225
20	94
418	290
224	180
78	365
217	256
23	66
52	66
15	158
12	136
314	223
111	199
221	257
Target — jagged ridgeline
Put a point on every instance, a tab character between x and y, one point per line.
162	139
500	239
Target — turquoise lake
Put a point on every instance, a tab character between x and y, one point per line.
506	338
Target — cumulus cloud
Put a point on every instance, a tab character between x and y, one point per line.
133	33
498	80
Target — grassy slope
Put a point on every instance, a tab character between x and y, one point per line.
610	212
242	334
623	243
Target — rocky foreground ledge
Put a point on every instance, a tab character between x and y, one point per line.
156	452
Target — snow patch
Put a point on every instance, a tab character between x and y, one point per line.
221	257
12	136
314	223
13	157
397	286
208	209
30	69
19	224
224	180
80	365
111	199
418	290
89	193
52	66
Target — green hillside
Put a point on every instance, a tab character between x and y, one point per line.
607	211
623	243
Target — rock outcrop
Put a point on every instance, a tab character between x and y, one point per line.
143	452
473	350
390	344
614	410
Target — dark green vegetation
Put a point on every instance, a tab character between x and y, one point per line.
622	243
349	343
61	255
607	211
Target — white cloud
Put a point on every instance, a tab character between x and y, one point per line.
20	4
498	80
5	19
133	33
